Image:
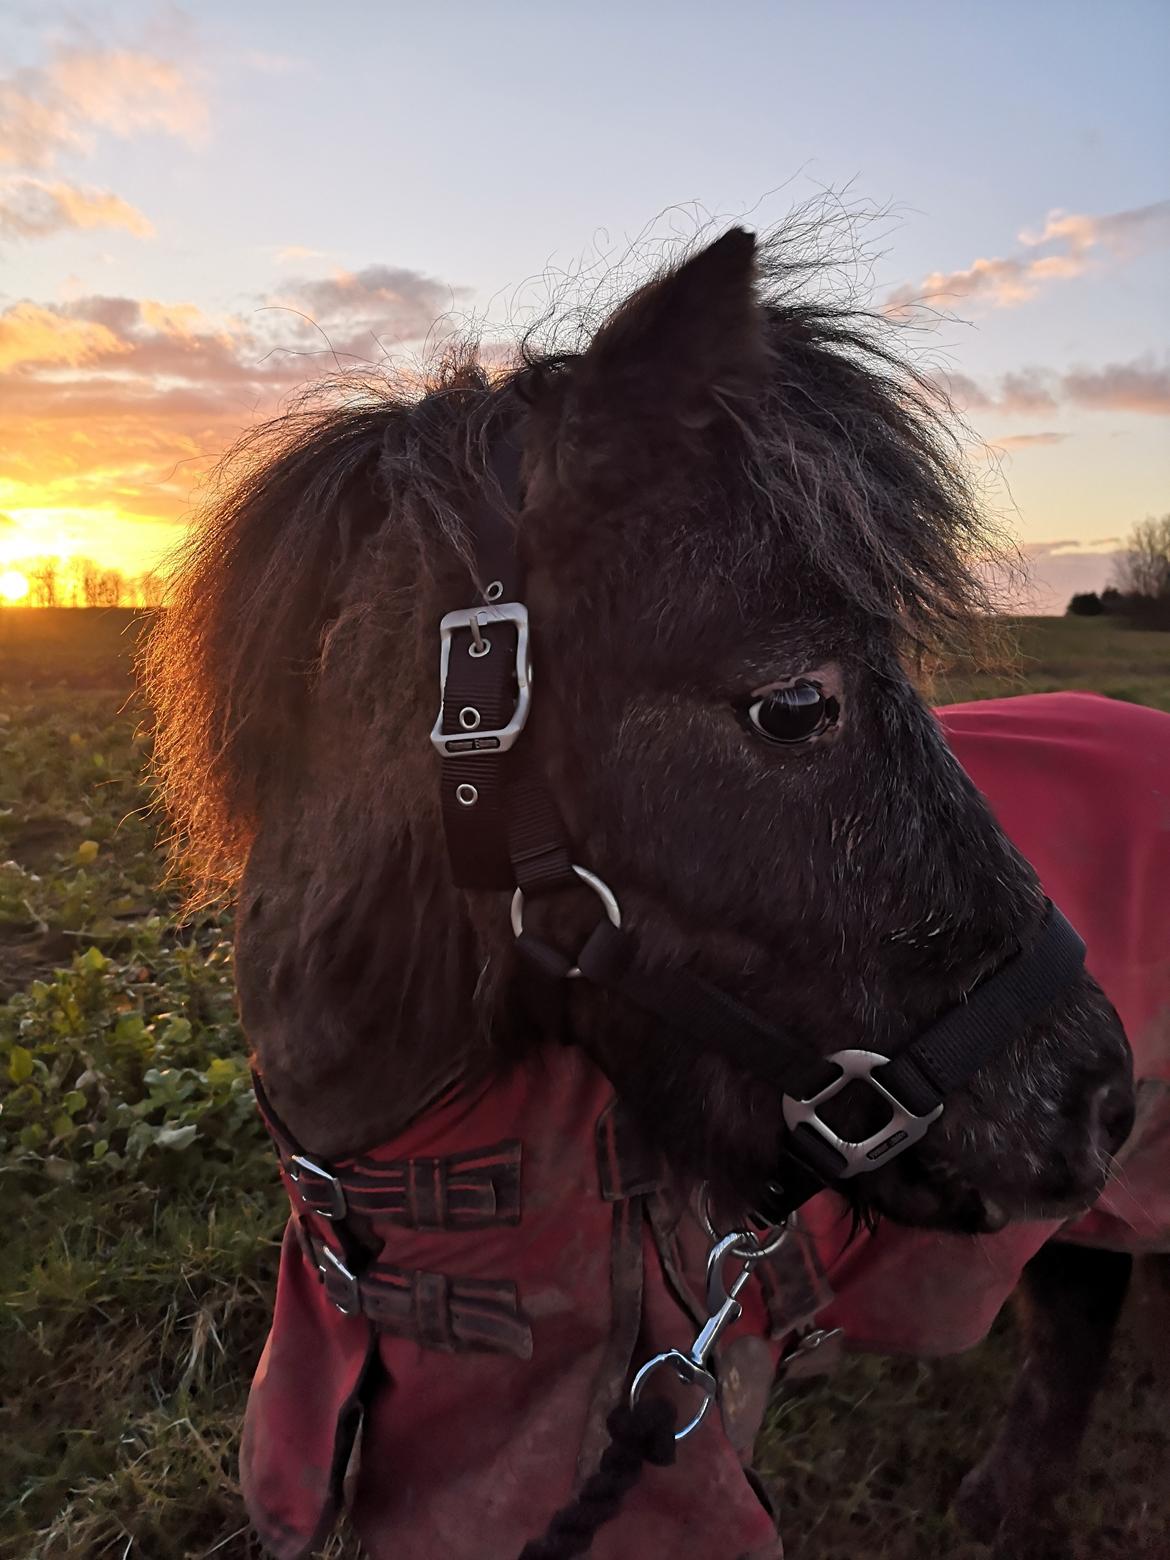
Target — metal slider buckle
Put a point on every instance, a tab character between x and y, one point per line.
333	1271
479	620
299	1165
902	1129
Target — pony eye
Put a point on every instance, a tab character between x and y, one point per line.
792	714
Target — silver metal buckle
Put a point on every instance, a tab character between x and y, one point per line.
902	1129
297	1165
603	891
479	621
331	1267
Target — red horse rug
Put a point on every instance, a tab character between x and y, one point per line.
535	1253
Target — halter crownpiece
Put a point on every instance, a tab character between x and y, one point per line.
504	830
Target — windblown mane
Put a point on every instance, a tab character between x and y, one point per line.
852	451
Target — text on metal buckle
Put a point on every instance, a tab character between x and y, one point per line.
478	621
902	1129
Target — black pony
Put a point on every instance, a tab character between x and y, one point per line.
741	518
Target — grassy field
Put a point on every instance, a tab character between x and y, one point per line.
142	1213
1042	655
91	648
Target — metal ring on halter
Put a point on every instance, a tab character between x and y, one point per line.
762	1248
690	1374
602	890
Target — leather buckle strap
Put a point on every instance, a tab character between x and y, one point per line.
451	1315
502	825
475	1189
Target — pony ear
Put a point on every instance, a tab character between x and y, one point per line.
674	353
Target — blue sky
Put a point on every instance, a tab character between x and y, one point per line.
260	153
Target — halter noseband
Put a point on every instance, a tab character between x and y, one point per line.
505	831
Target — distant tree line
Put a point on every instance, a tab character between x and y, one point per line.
1140	588
80	582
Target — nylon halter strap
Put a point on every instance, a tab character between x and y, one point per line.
505	831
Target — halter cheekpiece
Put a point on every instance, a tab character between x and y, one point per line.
504	830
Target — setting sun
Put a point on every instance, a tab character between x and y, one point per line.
13	586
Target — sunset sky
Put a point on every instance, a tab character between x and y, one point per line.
199	206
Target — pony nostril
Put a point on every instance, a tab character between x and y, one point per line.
1111	1117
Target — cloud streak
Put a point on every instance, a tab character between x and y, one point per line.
1140	386
60	109
34	208
47	111
1023	441
1074	242
113	405
360	312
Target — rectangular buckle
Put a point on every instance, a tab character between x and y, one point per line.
333	1271
902	1129
479	620
336	1209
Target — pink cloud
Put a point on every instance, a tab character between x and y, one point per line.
46	111
1003	282
1022	441
379	299
1024	392
1140	386
30	334
1123	233
291	253
33	208
118	403
362	314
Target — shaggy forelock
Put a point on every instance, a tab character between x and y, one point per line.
846	456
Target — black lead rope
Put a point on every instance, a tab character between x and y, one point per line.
505	831
639	1435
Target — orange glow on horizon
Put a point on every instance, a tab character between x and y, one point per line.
133	544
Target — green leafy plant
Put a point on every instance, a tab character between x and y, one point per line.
113	1063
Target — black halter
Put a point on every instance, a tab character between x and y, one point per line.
505	831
